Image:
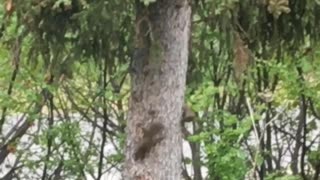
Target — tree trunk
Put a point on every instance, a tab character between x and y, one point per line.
158	74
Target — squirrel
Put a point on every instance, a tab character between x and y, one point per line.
151	137
187	114
153	134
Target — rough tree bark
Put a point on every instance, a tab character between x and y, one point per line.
158	74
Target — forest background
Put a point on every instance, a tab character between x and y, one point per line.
252	88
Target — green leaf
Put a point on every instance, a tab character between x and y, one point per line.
147	2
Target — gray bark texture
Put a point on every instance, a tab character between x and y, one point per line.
158	79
